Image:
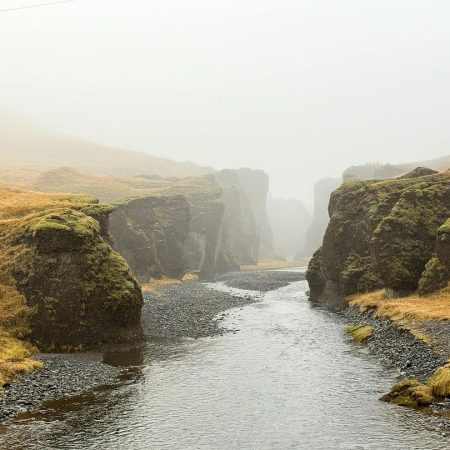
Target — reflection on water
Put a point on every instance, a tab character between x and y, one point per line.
289	379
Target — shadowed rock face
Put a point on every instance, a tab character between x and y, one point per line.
381	234
204	242
246	230
82	292
150	233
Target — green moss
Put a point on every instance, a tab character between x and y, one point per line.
434	277
445	228
359	331
358	276
403	242
410	393
65	220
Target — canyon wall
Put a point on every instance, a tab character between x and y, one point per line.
387	234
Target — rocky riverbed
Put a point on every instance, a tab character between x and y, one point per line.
193	309
60	376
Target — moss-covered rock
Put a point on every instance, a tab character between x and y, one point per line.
360	332
404	240
435	276
410	393
382	233
358	275
62	286
80	290
314	276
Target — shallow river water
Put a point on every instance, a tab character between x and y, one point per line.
288	379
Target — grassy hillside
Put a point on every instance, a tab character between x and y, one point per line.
110	189
30	147
377	170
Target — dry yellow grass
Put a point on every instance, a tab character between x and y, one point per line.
411	308
153	284
17	203
439	382
15	358
274	264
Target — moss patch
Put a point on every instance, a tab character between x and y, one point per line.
410	393
359	331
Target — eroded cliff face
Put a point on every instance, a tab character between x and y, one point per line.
383	234
77	290
204	247
246	229
150	233
165	228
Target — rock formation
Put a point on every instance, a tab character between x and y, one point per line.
382	233
247	233
55	253
167	227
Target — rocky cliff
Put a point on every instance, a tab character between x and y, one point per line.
246	232
384	233
67	286
167	227
149	232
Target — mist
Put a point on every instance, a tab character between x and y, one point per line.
300	89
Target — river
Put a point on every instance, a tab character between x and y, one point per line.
288	379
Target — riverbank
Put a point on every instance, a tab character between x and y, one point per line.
412	334
61	375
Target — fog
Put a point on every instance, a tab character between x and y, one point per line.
301	89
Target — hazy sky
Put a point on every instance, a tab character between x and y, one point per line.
301	89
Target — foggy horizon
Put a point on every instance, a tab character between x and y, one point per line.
304	89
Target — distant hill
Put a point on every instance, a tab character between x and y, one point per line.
373	171
28	146
109	189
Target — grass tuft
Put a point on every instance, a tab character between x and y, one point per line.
410	393
359	331
439	382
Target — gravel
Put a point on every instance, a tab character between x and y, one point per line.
263	281
61	376
188	310
193	309
414	358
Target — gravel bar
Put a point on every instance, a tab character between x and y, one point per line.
263	280
61	376
189	309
